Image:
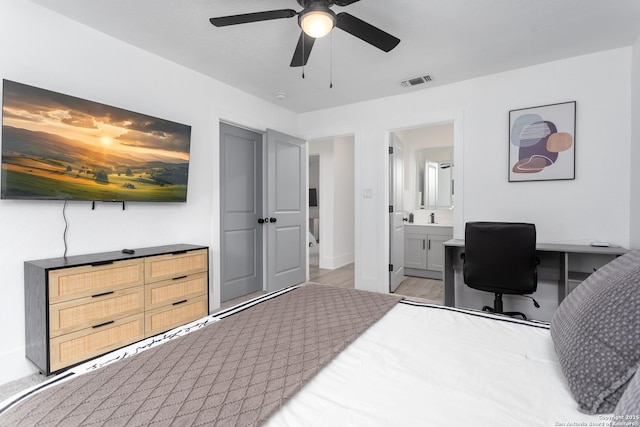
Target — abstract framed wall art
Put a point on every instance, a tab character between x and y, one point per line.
542	143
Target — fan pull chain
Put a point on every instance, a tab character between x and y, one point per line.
331	60
303	61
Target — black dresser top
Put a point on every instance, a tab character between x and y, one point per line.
78	260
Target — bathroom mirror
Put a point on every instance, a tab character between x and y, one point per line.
434	178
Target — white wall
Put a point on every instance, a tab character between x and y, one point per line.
43	49
344	205
635	148
596	205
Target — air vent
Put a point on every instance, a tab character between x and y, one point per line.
415	81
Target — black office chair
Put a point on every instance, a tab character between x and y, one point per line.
500	257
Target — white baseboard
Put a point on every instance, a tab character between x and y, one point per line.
337	262
20	366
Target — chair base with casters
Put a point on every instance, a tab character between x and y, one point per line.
500	258
498	309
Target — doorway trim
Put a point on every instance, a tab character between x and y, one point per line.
455	117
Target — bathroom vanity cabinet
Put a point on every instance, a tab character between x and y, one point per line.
424	249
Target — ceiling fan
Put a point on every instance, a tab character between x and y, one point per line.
317	20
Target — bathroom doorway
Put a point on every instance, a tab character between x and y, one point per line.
428	202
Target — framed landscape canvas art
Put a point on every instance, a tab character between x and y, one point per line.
542	142
56	146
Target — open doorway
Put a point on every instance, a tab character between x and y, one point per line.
332	219
428	203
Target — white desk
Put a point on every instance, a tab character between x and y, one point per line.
563	266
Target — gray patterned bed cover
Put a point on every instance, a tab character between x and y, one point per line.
235	372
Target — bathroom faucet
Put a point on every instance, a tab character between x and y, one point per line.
432	218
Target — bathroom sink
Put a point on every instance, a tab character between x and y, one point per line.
427	224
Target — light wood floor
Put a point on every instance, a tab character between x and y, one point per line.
413	287
342	277
426	289
417	288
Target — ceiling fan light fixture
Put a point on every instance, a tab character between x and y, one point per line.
317	23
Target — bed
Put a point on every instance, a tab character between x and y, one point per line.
316	355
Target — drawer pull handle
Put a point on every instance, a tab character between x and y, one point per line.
178	278
103	324
178	252
102	294
180	302
99	263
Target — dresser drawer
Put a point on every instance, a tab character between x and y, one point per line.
74	315
87	280
169	291
69	349
164	318
170	266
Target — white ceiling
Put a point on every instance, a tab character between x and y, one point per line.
451	40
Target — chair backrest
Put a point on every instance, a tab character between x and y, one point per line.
500	257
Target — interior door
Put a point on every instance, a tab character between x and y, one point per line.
396	215
286	209
240	208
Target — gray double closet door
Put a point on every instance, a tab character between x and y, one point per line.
262	211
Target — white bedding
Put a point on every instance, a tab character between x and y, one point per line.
427	366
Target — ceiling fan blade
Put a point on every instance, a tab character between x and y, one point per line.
367	32
344	2
245	18
303	49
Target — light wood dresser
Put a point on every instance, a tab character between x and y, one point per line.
80	307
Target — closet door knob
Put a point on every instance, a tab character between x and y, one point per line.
272	219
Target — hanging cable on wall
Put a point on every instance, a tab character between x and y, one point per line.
66	227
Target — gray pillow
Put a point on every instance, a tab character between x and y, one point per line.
596	333
628	408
